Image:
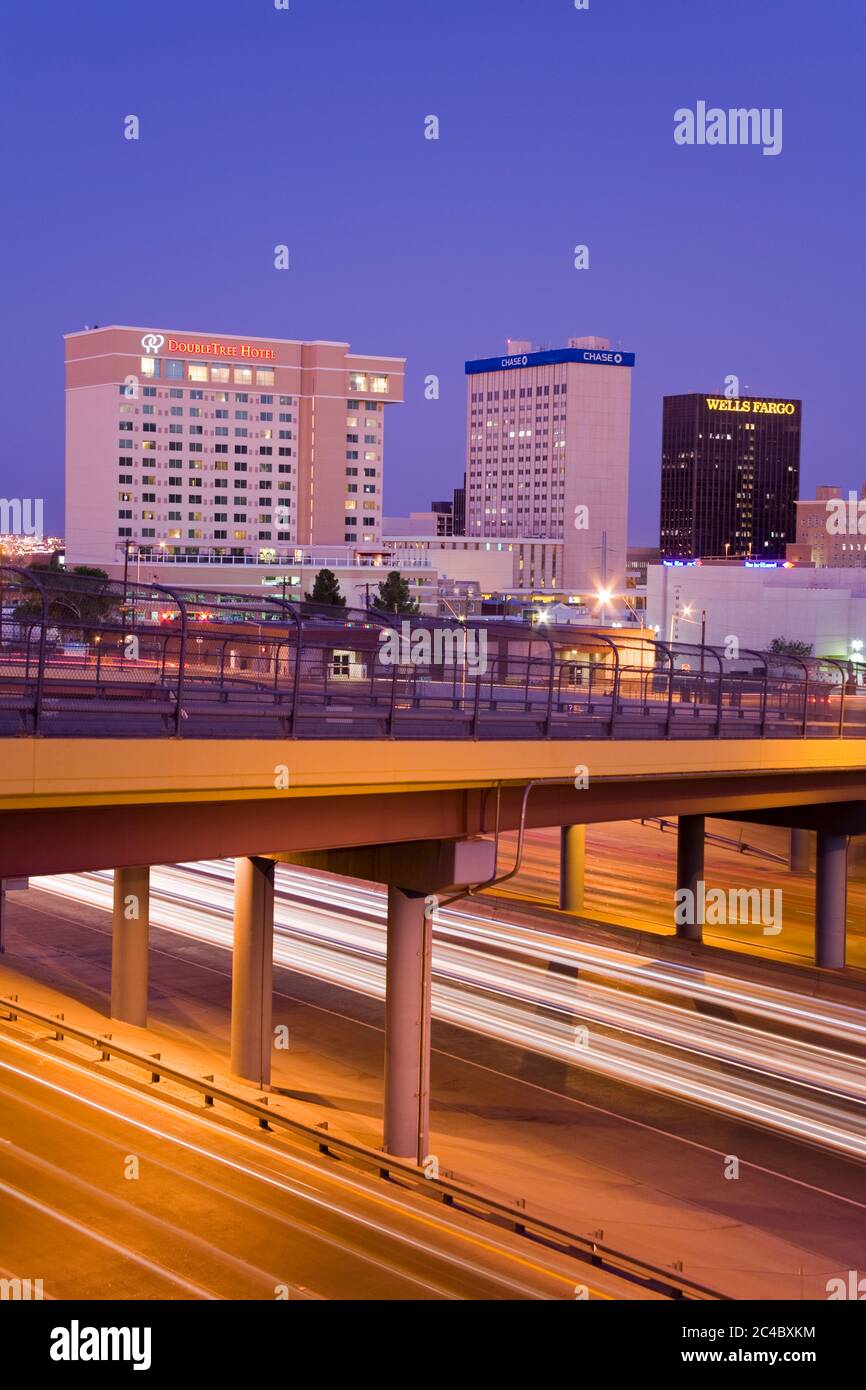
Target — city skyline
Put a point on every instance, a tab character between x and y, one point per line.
696	255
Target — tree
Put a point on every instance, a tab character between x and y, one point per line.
326	589
82	594
394	596
787	646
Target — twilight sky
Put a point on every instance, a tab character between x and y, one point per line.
306	127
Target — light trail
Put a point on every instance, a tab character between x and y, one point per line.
335	931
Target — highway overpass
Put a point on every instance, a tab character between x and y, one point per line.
148	726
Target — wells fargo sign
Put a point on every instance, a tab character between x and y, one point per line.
750	407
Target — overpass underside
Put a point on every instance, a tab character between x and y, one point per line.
78	804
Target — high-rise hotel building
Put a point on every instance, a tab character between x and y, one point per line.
547	453
215	447
730	476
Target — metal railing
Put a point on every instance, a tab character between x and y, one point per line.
83	656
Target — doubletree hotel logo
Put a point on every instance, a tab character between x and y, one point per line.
152	342
749	407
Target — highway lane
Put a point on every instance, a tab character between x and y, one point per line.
108	1190
590	1010
586	1150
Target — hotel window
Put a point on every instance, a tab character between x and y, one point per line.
379	385
174	429
267	400
285	453
175	394
369	455
124	477
369	439
357	381
174	516
220	374
196	371
351	472
243	376
286	400
124	530
369	472
175	497
175	446
221	449
150	366
148	497
196	395
241	449
174	534
220	516
350	438
148	444
174	370
125	515
221	465
264	376
350	506
148	391
127	497
351	453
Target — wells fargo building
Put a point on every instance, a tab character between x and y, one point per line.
730	476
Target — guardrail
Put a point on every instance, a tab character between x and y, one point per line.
670	1283
97	658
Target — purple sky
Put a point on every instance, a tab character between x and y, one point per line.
305	127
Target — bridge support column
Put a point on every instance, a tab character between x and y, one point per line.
130	925
831	892
690	870
407	1025
572	865
253	970
800	852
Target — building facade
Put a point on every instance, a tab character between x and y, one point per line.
730	476
831	529
547	451
214	448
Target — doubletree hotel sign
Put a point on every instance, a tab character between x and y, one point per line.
195	347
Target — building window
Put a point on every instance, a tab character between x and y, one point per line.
197	371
